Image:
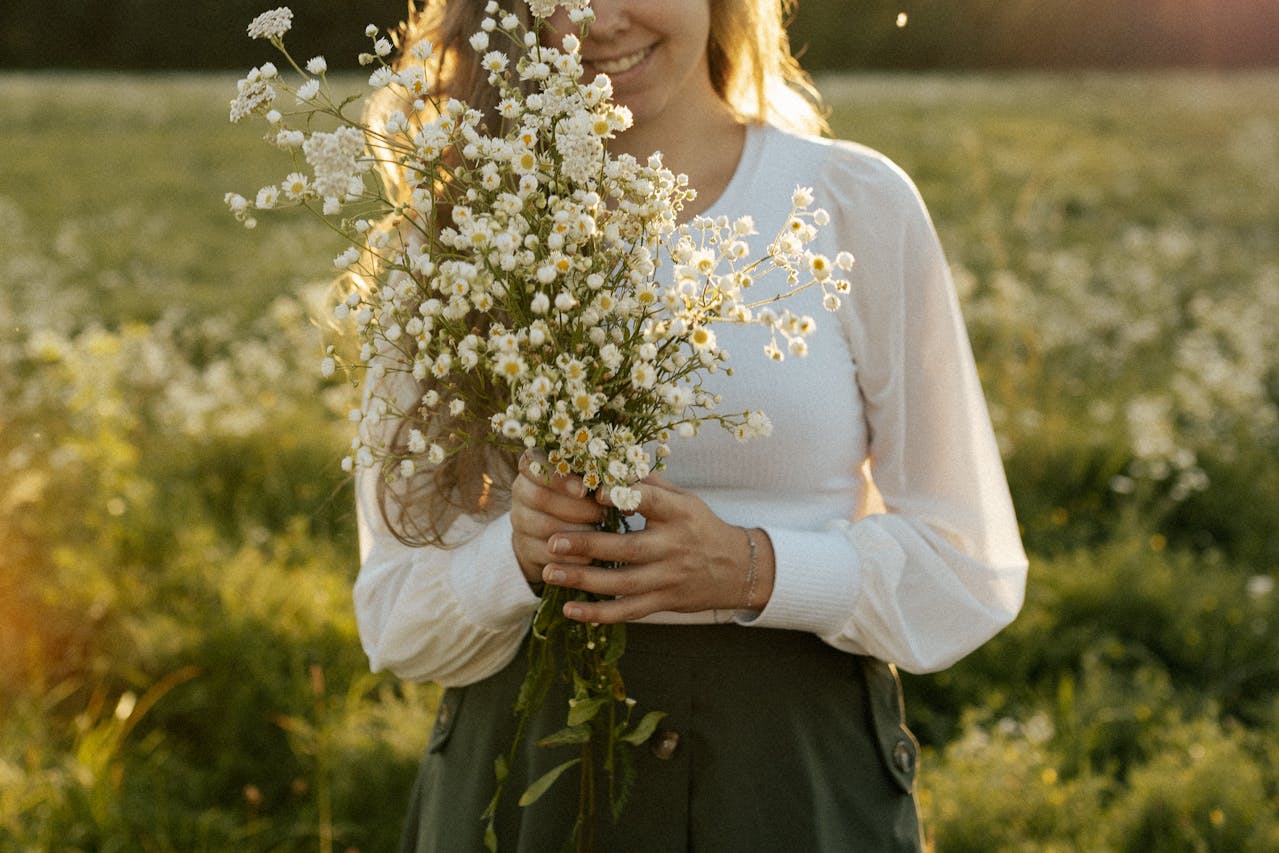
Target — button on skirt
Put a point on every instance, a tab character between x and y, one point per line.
772	741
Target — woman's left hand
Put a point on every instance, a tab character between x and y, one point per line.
686	559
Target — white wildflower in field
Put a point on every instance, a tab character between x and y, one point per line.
1260	586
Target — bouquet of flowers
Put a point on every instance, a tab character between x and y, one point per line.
509	264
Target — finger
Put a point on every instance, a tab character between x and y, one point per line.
531	550
535	466
637	547
615	610
652	488
532	523
662	483
625	581
529	496
658	500
532	528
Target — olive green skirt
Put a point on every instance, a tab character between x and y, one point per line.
773	741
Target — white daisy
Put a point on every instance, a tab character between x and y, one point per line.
267	197
702	338
802	197
295	185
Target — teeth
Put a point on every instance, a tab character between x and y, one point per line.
622	63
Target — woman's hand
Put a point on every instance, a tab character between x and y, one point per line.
543	505
685	559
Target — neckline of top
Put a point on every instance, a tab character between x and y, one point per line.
747	162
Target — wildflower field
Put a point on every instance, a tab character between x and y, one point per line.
179	668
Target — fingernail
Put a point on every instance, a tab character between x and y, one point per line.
559	546
572	611
556	576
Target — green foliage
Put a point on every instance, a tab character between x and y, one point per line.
1204	790
1114	636
1000	787
997	789
179	667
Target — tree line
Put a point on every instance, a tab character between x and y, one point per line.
829	34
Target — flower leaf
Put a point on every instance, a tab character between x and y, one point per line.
644	728
567	736
538	788
585	711
616	643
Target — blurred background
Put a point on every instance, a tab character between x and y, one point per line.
832	34
179	668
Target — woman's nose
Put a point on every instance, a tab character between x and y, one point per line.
611	18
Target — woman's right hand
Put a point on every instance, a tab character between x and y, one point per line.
543	505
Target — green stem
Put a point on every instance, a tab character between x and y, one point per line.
586	801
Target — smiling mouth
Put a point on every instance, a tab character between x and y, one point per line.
622	64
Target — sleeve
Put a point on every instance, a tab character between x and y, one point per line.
452	615
942	569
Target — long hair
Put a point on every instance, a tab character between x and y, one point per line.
752	70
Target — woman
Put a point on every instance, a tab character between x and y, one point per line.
772	583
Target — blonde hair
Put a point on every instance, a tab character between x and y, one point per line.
752	70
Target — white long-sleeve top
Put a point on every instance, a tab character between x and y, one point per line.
889	378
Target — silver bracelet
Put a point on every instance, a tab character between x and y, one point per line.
752	572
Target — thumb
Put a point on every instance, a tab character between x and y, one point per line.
660	499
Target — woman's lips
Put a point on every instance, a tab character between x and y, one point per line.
620	64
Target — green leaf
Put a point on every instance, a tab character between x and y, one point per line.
538	788
534	687
622	782
616	643
644	728
567	736
545	616
500	769
585	710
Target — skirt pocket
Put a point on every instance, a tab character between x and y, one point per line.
898	748
445	719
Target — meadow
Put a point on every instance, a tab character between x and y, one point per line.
179	667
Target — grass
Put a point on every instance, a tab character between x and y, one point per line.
179	666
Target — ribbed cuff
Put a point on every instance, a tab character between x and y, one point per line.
815	586
487	581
